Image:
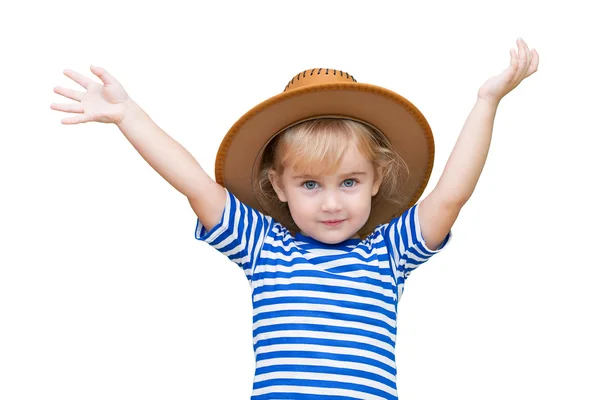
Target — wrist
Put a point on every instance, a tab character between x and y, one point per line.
489	101
130	109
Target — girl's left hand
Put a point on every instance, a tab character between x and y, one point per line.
521	66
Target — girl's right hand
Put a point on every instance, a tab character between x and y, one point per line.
100	103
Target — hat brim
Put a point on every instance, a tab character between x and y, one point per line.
406	128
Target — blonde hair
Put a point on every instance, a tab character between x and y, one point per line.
316	147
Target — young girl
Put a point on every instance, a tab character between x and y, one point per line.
315	199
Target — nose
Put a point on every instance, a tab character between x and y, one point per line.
331	202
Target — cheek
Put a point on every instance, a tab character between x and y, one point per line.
299	205
363	203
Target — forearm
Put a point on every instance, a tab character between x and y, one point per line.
165	155
468	157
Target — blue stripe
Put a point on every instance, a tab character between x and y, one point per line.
326	342
358	267
235	231
323	314
413	227
278	262
300	396
324	384
324	288
326	356
319	369
349	254
318	300
321	274
323	328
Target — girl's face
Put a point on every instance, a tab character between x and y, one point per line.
330	208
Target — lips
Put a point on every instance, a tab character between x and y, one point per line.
333	222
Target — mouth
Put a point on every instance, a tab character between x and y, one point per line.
333	222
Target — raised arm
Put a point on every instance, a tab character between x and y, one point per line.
109	103
440	209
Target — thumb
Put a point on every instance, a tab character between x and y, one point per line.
104	76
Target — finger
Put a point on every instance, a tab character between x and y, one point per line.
522	58
77	77
510	72
76	108
514	60
104	76
69	93
526	72
75	120
535	61
528	54
526	61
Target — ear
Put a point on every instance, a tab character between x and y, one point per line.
275	180
377	181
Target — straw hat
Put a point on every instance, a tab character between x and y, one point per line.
318	93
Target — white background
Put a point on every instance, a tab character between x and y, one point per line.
106	294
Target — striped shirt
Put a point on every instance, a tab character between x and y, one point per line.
324	315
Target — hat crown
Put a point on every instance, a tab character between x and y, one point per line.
318	76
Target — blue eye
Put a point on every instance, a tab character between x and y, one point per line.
352	181
348	183
308	183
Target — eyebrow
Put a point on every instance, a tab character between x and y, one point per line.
343	175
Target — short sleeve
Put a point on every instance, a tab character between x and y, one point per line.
239	234
406	244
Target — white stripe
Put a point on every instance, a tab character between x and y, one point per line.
318	295
326	308
356	380
316	391
324	335
325	362
300	264
323	321
327	349
328	282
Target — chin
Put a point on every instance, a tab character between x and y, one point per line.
329	240
334	237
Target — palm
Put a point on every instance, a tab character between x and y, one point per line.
521	66
101	102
